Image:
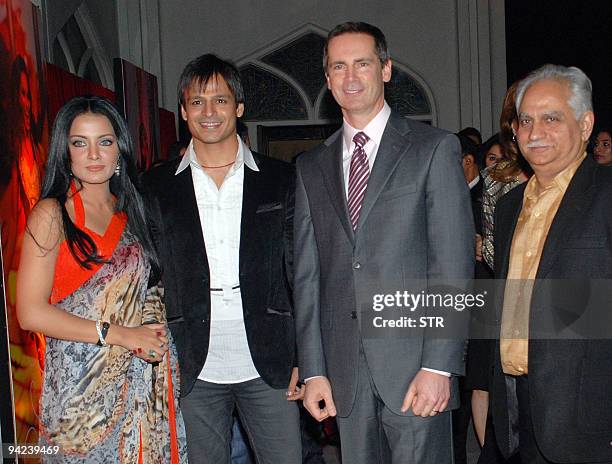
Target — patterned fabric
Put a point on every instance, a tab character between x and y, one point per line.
492	191
358	177
99	403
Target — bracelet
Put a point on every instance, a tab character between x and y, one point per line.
102	329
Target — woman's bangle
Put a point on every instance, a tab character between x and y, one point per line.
102	329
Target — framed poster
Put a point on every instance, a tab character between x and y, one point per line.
8	432
62	86
167	132
136	92
23	141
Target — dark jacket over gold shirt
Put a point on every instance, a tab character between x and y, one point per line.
570	380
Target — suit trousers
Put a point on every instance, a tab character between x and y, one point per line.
373	434
271	422
528	448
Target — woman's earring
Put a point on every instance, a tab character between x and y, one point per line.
118	168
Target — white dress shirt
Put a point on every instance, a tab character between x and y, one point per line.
220	210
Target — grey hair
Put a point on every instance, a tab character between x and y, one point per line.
580	86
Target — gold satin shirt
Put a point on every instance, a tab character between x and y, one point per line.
540	205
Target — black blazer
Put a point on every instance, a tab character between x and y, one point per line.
265	256
570	381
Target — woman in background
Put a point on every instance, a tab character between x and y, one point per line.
602	147
85	265
491	151
504	174
505	170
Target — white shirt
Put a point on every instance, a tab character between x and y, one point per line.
220	210
474	182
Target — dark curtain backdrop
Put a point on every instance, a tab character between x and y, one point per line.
567	32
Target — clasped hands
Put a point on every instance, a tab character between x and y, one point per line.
147	341
427	395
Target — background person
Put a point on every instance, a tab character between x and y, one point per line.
503	175
602	147
472	133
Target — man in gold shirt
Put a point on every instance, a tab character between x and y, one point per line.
550	393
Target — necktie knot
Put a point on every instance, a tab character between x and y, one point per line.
360	139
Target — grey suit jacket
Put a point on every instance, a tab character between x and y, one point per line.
416	223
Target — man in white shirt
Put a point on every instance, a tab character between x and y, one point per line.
223	223
381	203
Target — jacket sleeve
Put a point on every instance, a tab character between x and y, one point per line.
306	284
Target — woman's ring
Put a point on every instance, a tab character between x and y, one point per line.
152	353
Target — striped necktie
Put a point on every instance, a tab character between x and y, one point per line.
358	177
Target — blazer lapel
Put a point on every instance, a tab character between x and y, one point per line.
250	197
393	145
575	200
183	201
330	163
505	232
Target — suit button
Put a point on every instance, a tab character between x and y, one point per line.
354	314
356	265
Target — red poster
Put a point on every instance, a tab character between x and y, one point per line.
136	92
23	138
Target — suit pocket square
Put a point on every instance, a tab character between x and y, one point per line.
267	207
175	320
278	312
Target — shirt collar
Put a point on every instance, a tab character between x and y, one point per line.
474	182
561	181
374	129
244	155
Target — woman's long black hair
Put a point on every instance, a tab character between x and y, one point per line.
58	176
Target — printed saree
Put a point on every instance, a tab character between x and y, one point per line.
103	404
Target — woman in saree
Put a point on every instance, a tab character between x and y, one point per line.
110	388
